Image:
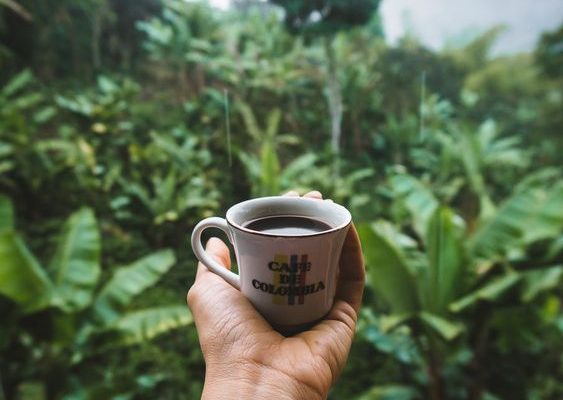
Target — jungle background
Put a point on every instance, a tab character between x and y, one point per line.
124	123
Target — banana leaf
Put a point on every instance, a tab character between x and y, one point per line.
525	217
491	291
447	329
6	214
539	281
141	325
75	267
22	279
443	278
388	272
419	200
129	281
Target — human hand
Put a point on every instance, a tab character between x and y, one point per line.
246	358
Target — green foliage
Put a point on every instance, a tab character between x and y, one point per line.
388	271
61	296
75	267
23	280
549	53
462	270
130	281
113	136
138	326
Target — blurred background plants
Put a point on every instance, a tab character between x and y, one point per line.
114	121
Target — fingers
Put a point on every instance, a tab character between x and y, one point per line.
331	339
352	271
314	194
217	249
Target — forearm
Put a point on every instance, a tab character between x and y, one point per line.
256	382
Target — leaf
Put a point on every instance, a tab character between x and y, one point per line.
250	122
387	230
418	199
6	214
297	167
388	272
525	217
44	115
106	85
129	281
446	261
447	329
26	101
273	123
270	170
17	82
21	277
491	291
141	325
75	267
18	9
389	392
536	282
251	164
392	321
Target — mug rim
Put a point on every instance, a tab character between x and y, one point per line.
230	222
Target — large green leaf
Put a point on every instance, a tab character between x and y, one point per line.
418	199
388	272
6	214
141	325
446	262
129	281
491	291
75	267
21	277
527	216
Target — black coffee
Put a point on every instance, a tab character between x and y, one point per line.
287	225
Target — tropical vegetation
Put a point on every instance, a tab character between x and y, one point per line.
122	124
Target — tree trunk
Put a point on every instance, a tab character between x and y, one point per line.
335	106
434	384
480	339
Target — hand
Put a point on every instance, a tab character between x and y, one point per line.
245	358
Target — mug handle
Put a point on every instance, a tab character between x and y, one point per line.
205	258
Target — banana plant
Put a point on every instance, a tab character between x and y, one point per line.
433	280
65	309
264	169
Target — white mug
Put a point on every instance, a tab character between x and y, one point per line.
289	278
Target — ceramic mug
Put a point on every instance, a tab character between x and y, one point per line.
290	278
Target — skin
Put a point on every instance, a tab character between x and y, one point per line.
246	358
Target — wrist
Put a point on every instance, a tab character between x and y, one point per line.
252	381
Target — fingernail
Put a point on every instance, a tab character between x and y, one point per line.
314	194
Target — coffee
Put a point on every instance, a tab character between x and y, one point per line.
287	225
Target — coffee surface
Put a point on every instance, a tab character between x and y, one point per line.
287	225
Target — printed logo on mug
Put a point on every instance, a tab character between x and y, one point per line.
287	250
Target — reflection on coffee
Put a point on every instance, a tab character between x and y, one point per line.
288	225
